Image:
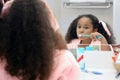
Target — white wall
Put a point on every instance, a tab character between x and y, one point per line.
116	20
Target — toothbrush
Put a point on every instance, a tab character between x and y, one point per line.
88	35
94	72
84	35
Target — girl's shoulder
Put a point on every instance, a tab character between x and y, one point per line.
65	66
4	75
73	43
64	55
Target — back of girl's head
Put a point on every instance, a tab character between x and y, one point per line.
28	40
71	33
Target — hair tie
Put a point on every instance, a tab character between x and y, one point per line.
105	28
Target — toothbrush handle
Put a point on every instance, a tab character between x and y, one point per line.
95	72
98	37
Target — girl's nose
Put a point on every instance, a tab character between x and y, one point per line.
81	30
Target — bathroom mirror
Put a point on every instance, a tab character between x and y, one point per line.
66	15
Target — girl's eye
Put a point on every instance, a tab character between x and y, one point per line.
86	27
79	26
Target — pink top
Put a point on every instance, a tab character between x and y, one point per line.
65	68
3	74
74	43
6	7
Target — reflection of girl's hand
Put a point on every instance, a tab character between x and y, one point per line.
96	36
105	46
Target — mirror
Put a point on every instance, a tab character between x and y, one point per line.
66	15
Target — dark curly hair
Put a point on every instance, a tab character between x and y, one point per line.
1	6
27	40
71	33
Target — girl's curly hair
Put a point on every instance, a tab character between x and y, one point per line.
26	40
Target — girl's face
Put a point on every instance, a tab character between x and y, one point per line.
84	26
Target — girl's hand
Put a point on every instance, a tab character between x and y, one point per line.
97	36
105	45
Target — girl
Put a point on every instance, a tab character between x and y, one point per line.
88	24
31	46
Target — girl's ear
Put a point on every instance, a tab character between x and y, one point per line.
95	30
